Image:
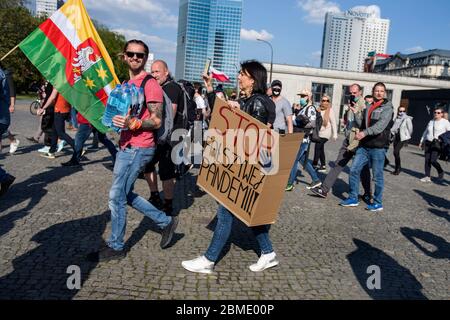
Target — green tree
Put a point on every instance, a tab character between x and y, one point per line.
114	44
16	24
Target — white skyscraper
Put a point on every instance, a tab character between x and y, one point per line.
148	65
41	7
350	36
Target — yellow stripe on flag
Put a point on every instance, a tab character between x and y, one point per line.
77	15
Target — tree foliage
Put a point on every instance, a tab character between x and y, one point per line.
16	23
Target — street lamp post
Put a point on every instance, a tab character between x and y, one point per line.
271	57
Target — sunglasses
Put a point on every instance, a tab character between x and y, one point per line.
325	100
438	112
139	55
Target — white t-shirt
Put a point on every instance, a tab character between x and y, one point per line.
440	127
200	102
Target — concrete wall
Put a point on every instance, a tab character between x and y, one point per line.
296	78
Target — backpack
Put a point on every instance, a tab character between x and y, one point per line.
315	137
163	134
189	113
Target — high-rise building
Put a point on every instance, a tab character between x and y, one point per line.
208	29
349	37
41	7
148	64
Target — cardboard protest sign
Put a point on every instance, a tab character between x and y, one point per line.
246	165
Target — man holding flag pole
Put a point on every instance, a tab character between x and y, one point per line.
68	51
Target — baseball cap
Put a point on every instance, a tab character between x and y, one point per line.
304	92
276	83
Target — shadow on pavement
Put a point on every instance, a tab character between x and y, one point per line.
241	236
145	225
397	282
42	272
33	190
434	201
441	214
442	246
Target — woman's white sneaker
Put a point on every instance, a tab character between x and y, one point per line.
266	261
199	265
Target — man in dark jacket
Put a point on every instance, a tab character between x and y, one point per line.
374	123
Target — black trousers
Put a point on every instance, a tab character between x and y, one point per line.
59	125
431	159
398	145
319	152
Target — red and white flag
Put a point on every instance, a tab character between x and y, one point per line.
219	75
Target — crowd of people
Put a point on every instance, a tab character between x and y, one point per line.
371	126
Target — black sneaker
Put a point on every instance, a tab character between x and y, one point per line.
71	163
319	192
168	232
106	254
6	184
367	198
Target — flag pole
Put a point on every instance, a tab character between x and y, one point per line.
11	51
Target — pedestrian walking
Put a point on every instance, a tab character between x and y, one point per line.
327	132
253	81
401	133
356	105
432	145
137	148
375	125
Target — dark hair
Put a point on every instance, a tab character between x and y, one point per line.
135	41
198	87
368	97
379	84
258	73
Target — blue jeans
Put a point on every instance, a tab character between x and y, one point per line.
73	117
3	173
83	133
129	163
375	158
223	231
301	158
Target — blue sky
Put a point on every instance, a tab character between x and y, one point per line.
294	27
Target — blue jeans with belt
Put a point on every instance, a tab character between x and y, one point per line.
301	155
223	231
129	163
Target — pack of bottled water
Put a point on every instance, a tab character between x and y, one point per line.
123	100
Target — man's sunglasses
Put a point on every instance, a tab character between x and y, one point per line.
139	55
325	100
438	112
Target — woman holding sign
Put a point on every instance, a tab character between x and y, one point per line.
253	82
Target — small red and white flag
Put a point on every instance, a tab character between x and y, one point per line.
219	75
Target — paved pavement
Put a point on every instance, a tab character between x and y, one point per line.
53	216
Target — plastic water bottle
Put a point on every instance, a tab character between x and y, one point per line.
141	99
134	100
124	105
111	106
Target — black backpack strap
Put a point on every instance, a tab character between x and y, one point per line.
146	79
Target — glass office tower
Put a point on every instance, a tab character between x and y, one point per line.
208	29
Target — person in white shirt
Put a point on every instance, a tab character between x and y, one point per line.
431	144
327	132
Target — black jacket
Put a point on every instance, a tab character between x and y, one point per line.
259	106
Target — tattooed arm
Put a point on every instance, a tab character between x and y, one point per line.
154	122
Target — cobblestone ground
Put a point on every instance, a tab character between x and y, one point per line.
53	216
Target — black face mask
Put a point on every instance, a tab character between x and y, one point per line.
353	99
276	93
